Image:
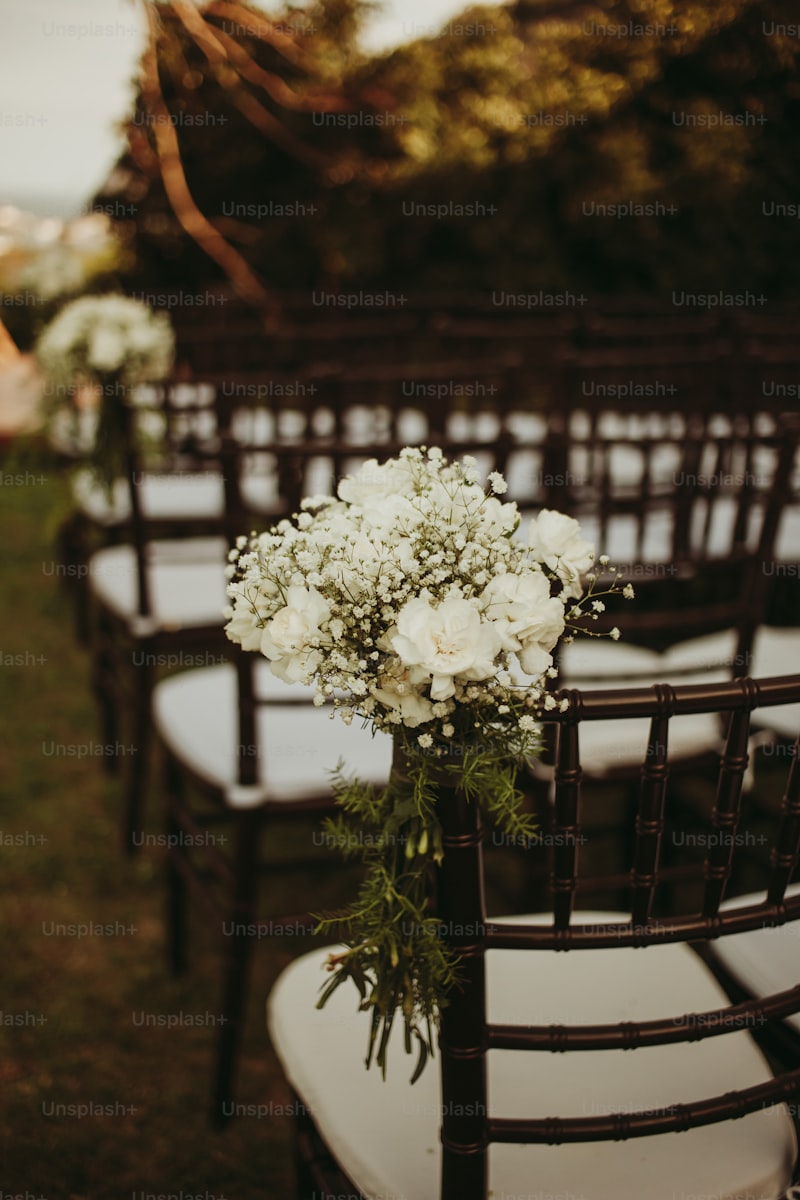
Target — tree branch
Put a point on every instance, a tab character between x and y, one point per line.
248	106
261	28
191	219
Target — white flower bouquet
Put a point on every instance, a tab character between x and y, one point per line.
95	351
408	602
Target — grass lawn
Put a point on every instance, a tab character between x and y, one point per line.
77	1011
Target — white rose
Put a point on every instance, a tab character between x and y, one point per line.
384	515
244	629
498	519
529	620
287	639
375	481
397	692
555	539
445	642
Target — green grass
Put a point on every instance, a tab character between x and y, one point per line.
72	1031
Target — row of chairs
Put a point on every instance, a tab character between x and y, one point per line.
570	311
653	503
555	359
557	457
254	750
498	402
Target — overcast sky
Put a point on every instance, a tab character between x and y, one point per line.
66	68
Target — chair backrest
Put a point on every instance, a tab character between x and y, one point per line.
636	377
185	477
689	516
468	1127
294	339
650	329
257	443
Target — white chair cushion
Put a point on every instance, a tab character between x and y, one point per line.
162	497
175	497
764	960
704	659
598	664
195	714
609	746
604	662
187	581
777	652
787	542
594	665
385	1135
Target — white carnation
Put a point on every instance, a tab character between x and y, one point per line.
529	620
447	642
288	639
555	539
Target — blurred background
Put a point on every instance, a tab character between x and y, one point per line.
304	190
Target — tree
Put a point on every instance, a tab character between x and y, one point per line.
609	146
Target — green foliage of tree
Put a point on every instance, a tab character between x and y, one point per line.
534	110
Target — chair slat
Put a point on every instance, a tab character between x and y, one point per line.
650	821
675	1118
786	852
630	1035
726	813
567	828
462	1037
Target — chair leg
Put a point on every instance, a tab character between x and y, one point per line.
102	676
136	763
73	554
240	932
177	924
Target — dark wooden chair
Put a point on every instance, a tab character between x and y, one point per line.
175	416
636	378
156	595
246	755
690	519
768	383
576	1041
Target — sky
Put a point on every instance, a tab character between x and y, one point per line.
66	71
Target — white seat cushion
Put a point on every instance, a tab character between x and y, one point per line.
599	664
174	497
187	582
195	714
787	541
162	497
605	663
764	960
609	746
777	652
385	1135
594	665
